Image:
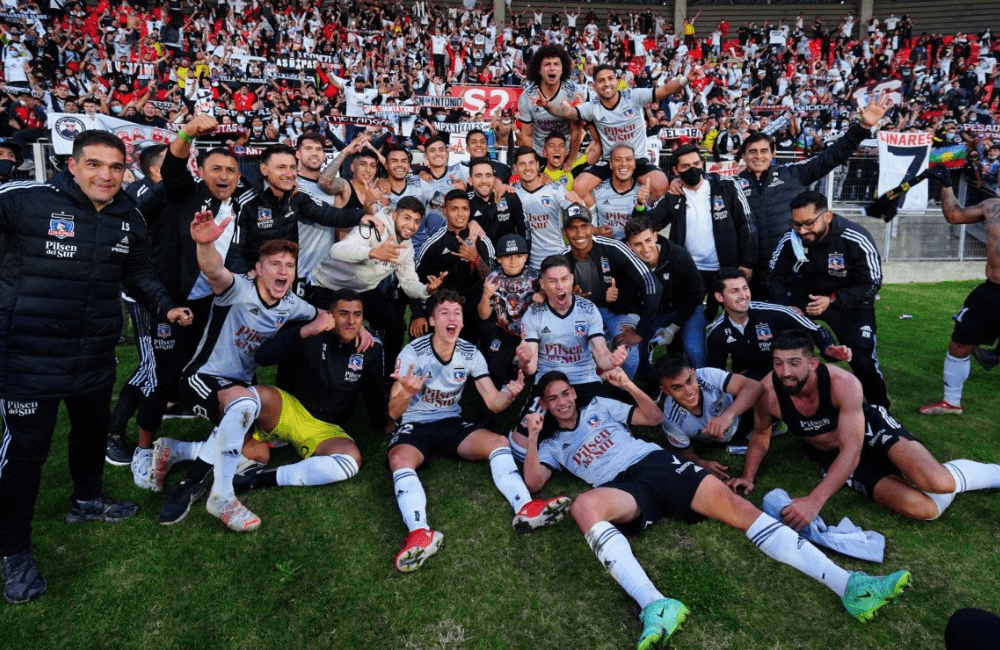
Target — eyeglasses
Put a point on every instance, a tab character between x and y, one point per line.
805	225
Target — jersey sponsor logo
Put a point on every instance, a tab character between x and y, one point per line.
591	451
60	250
594	420
351	376
835	264
814	425
580	329
61	225
356	362
719	215
163	331
764	332
563	354
264	218
20	408
122	246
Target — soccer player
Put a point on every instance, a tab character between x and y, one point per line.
636	483
542	204
828	268
978	322
620	197
498	216
431	374
856	444
556	157
548	79
704	405
743	332
217	381
402	182
477	145
618	116
441	178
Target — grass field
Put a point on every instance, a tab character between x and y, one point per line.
319	572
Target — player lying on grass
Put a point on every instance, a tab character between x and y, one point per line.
431	374
856	443
636	483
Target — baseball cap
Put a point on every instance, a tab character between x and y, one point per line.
575	211
512	244
10	144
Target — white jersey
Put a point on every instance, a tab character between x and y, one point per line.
314	240
440	396
564	341
681	426
415	187
613	208
543	122
601	434
626	122
238	323
543	208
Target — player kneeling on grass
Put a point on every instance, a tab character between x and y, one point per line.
431	373
857	444
322	374
637	482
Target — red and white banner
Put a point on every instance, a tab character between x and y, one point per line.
488	99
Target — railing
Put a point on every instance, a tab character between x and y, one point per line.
920	236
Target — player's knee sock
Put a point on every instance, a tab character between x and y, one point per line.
207	449
614	552
519	452
507	479
239	416
781	543
411	499
970	475
956	371
318	470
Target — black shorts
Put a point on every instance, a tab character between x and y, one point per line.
979	320
603	170
660	483
441	437
882	431
201	394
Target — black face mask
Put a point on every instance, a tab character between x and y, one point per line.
691	176
6	169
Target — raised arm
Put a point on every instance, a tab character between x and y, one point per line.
204	232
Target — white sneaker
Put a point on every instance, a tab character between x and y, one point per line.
164	456
232	513
142	469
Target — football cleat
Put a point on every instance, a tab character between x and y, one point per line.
940	408
233	513
22	580
660	619
866	594
542	512
419	545
164	457
142	469
103	508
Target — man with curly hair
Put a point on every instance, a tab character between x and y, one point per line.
548	78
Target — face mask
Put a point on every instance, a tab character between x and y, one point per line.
6	168
440	118
298	125
240	119
116	109
691	176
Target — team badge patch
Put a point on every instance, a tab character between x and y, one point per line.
628	112
163	331
764	332
742	182
546	202
835	262
264	218
605	265
594	420
356	362
282	317
717	203
61	226
502	205
495	345
460	375
580	329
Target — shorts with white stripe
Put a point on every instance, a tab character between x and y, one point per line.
200	393
144	376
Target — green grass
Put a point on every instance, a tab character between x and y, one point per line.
319	571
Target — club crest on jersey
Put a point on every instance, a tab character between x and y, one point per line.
163	331
280	320
717	203
605	265
835	264
502	205
580	329
460	374
61	225
495	345
264	218
764	332
546	202
628	112
743	183
356	362
594	420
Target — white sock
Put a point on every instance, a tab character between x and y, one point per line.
956	371
237	420
207	449
614	552
970	475
507	479
411	499
781	543
318	470
182	450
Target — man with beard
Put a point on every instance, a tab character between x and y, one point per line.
498	216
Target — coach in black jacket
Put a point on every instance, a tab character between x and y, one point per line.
68	247
833	276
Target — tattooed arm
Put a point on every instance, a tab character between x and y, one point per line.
954	213
329	180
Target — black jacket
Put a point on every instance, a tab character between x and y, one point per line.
63	267
174	253
770	195
683	290
438	256
732	224
265	217
499	218
845	263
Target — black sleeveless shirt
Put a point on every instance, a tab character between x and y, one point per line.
826	416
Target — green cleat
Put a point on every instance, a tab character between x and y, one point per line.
866	594
660	619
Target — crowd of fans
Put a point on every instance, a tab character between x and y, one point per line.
283	68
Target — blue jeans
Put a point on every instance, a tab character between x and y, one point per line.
692	336
615	324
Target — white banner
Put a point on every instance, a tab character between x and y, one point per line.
65	127
901	157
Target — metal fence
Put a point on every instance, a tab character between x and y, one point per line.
909	237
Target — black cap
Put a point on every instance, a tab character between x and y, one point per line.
10	144
512	244
575	211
